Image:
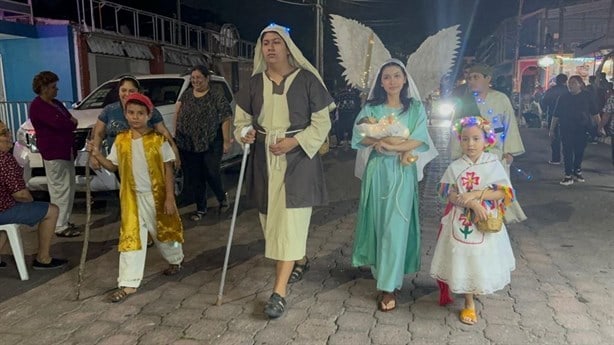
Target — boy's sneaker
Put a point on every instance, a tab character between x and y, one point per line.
554	162
53	264
578	177
566	181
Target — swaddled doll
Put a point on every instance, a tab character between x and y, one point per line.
390	130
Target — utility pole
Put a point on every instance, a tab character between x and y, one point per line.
319	13
319	38
561	26
517	77
179	23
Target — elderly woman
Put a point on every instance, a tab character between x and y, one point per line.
54	127
288	106
18	207
203	118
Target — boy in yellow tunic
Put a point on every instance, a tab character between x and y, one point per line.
145	162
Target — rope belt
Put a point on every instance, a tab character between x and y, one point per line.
271	138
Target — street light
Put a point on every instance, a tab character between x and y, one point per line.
319	31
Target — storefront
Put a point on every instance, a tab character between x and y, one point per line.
536	72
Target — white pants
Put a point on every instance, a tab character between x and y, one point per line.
61	185
132	263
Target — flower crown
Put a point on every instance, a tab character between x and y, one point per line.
479	122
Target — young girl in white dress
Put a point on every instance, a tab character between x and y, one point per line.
466	260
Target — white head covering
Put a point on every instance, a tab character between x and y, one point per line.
296	58
412	91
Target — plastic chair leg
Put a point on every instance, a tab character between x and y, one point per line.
12	232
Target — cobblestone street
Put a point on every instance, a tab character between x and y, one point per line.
561	291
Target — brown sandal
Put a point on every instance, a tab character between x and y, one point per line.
120	295
384	300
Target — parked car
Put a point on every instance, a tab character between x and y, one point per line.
164	91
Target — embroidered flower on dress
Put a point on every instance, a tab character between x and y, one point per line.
464	220
469	180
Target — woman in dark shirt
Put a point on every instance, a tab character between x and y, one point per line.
202	121
574	113
54	127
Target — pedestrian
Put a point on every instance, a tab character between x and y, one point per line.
112	121
575	112
147	199
598	93
348	107
54	127
203	119
496	107
387	235
548	105
466	260
18	207
608	120
288	106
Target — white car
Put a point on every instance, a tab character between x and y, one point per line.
164	91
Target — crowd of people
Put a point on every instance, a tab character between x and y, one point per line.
283	114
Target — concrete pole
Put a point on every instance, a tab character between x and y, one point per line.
319	38
561	26
517	77
179	22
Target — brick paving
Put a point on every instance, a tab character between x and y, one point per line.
561	291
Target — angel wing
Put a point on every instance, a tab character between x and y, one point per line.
355	41
433	59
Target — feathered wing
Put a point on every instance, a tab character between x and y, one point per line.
352	40
433	59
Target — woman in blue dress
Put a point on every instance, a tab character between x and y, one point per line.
387	237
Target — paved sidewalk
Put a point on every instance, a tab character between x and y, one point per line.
561	291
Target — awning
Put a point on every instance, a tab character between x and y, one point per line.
138	51
105	46
100	45
184	58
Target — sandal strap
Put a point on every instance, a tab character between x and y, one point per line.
119	294
277	302
298	271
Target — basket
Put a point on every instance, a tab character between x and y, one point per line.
492	224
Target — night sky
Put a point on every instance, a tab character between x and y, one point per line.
401	24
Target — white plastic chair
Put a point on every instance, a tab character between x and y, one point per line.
12	232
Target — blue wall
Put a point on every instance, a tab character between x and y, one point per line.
52	49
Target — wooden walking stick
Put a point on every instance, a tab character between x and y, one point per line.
88	217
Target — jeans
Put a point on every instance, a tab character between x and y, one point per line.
574	143
555	145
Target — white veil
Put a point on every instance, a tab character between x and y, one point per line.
362	156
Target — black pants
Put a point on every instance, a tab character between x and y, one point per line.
200	169
555	145
574	143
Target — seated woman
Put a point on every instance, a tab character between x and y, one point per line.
18	207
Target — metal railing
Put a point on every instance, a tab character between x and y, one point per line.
109	17
13	114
